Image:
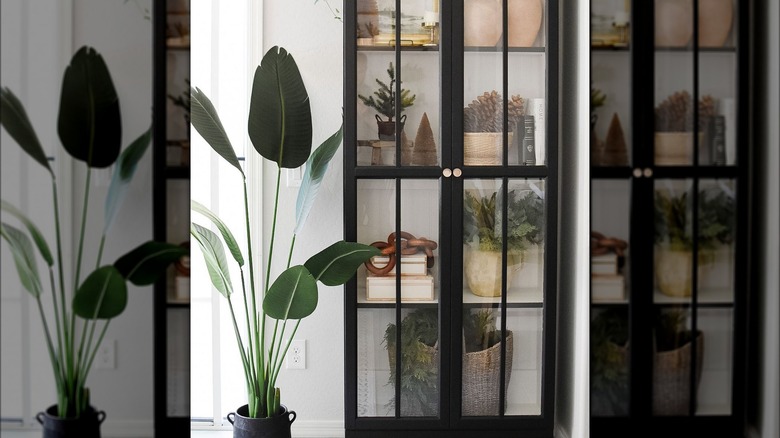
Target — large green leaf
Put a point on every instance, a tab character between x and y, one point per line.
230	241
14	118
38	238
292	296
206	121
144	264
279	112
316	166
214	253
89	123
123	174
24	259
103	295
336	264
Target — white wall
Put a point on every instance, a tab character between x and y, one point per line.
120	33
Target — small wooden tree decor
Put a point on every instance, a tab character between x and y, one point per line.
615	153
424	144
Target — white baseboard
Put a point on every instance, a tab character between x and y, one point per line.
114	429
318	429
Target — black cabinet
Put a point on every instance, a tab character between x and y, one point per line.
171	173
453	173
670	208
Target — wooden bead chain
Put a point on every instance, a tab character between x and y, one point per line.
409	245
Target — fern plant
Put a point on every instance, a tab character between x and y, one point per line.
482	220
673	219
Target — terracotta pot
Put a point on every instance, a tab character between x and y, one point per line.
524	21
85	426
715	20
483	271
277	426
673	22
482	22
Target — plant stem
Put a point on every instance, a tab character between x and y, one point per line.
60	351
289	256
253	371
79	364
83	227
67	355
287	347
247	374
258	340
100	250
49	344
94	351
270	258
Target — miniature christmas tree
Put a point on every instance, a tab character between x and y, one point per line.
615	152
425	145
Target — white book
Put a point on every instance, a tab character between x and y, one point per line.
413	288
607	287
729	112
538	111
416	264
604	264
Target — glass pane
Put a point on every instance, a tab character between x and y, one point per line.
610	116
417	270
484	339
673	355
610	279
421	140
714	394
526	108
609	361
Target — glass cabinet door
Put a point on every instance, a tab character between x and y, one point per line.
695	216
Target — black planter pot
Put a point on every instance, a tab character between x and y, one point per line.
85	426
277	426
386	130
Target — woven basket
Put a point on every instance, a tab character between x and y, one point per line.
482	377
484	148
672	378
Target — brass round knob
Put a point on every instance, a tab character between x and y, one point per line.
648	172
446	172
457	173
637	172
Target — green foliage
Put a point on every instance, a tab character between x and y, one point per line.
419	368
280	128
482	219
670	330
479	330
385	97
608	361
673	219
90	130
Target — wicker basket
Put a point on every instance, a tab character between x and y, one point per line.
672	378
481	379
484	148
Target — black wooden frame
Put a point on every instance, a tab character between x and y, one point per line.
643	72
450	423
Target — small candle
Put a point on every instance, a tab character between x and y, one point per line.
430	17
621	18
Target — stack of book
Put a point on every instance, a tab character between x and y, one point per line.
606	282
416	284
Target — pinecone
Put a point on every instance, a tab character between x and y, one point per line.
675	114
486	113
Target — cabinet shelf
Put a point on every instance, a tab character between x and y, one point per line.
391	48
708	297
517	298
701	49
501	49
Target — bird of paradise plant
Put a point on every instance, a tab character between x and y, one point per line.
280	129
90	129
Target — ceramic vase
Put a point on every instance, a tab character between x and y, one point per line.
482	23
673	23
524	21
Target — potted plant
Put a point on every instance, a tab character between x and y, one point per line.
383	100
280	129
89	127
674	235
483	122
482	237
673	141
419	363
482	363
672	363
609	362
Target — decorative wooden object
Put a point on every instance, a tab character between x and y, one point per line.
424	145
409	245
615	152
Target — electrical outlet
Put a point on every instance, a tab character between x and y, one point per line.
296	355
106	355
